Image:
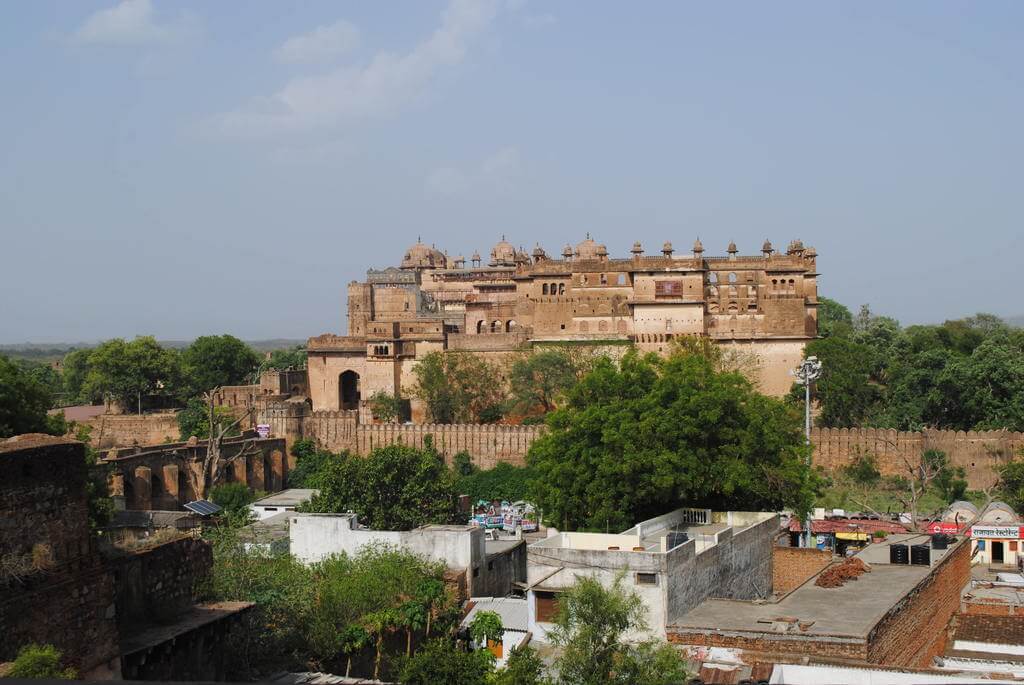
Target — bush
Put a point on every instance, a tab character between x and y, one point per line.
40	661
234	498
441	662
309	460
503	482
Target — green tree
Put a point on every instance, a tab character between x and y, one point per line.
647	435
24	401
353	638
441	662
309	460
1011	481
379	624
215	360
863	470
40	661
458	387
590	628
129	372
194	420
540	379
949	481
844	390
413	619
385	407
234	498
503	482
74	370
834	319
486	625
290	358
523	667
462	464
394	488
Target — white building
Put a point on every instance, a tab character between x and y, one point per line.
286	500
673	562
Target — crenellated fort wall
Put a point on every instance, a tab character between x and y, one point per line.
979	452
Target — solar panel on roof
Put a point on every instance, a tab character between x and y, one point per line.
203	507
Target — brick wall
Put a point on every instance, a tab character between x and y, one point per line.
68	601
125	430
793	566
156	584
914	630
976	608
978	452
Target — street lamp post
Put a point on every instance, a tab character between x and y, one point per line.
808	372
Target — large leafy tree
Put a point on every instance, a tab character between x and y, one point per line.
833	318
459	387
394	488
590	629
74	371
215	360
845	390
646	435
129	371
538	381
23	401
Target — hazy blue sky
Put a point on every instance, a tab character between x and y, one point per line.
177	168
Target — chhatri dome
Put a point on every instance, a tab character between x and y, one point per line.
590	249
503	254
421	256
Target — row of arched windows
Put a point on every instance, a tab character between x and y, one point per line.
496	326
553	289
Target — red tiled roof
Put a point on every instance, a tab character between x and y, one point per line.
848	526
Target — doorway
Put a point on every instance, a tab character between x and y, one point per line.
997	552
348	390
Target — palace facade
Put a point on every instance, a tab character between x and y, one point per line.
764	304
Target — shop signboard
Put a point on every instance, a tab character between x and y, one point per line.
997	532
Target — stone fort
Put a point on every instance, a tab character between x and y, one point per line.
765	304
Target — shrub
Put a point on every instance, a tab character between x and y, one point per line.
40	661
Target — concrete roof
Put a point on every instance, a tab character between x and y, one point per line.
287	498
851	610
501	546
512	610
266	530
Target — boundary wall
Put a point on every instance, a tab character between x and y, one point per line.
978	452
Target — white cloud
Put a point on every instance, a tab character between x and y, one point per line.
131	23
496	173
320	44
381	87
539	21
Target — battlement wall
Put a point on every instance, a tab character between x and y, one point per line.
978	452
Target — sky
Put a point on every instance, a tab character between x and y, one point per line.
187	168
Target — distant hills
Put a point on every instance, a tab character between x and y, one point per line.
53	351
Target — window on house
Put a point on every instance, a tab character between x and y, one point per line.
544	289
646	578
545	606
604	279
561	288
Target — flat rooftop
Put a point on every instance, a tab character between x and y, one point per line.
850	610
292	497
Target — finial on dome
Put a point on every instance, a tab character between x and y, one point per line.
637	249
666	249
698	247
767	248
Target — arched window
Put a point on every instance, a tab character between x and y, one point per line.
583	327
510	325
732	278
712	277
495	327
622	279
348	390
479	327
561	288
602	326
603	279
544	289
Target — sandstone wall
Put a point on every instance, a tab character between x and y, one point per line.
125	430
68	598
156	584
979	452
488	444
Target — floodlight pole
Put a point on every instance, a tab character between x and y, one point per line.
808	371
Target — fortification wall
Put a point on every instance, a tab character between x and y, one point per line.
978	452
125	430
